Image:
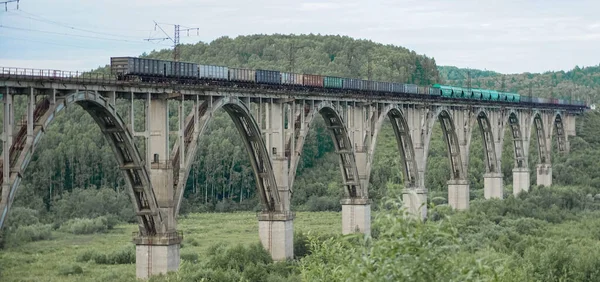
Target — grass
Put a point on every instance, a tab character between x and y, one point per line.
54	260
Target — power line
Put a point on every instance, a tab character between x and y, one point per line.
66	34
45	20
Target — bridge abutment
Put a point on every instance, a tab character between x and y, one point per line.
544	174
458	194
520	180
415	202
356	216
276	232
492	186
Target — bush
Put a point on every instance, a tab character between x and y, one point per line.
87	226
191	257
70	270
26	234
323	203
125	255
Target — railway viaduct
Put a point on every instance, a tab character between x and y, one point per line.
273	124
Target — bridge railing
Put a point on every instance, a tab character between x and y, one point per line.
53	74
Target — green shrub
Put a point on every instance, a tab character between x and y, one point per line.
26	234
125	255
323	203
191	257
70	270
87	226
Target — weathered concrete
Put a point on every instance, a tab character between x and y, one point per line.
356	216
415	201
492	186
157	254
276	232
458	194
544	174
521	180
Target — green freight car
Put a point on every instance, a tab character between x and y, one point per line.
445	91
332	82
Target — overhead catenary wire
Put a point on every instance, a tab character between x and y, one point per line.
72	35
38	18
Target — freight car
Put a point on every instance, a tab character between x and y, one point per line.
152	70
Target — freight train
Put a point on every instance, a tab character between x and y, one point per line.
152	70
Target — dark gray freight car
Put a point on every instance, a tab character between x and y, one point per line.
268	77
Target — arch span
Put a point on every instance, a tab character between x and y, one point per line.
491	159
449	132
538	124
559	129
521	158
121	141
255	146
343	147
404	142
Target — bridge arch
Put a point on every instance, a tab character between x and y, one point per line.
403	140
520	157
343	147
252	138
491	159
538	124
121	141
443	115
559	129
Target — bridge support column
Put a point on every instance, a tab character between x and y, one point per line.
356	216
520	180
159	253
544	174
492	186
156	254
458	194
276	232
415	202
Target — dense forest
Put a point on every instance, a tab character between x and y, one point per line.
73	182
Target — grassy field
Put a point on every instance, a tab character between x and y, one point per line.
43	260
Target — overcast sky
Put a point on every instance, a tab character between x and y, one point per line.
508	36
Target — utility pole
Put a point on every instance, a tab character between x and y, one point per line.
175	40
292	55
469	79
9	1
369	73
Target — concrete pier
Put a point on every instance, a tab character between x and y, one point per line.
157	254
544	174
492	186
276	232
415	201
520	180
458	194
356	216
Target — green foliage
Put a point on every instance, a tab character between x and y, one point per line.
125	255
70	270
88	226
93	203
28	233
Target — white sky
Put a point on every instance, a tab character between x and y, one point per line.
507	36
